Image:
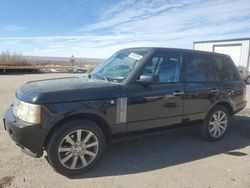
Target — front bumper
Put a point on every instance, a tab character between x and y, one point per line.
30	137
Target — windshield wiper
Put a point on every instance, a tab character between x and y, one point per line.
100	77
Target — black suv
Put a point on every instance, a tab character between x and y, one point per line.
136	89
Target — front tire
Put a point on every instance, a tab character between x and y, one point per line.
75	147
216	123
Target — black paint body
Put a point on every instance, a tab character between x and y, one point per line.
148	106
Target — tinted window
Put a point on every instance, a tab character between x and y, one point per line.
220	69
165	65
211	70
229	70
195	68
224	69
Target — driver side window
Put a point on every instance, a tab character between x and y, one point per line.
166	65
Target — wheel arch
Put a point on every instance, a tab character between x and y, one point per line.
225	104
87	116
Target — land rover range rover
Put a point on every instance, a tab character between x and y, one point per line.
136	89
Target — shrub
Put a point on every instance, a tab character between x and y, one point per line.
12	60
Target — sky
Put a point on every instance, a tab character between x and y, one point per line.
98	28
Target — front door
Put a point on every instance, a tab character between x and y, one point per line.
159	104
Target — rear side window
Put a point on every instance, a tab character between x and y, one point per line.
195	68
223	69
230	72
211	76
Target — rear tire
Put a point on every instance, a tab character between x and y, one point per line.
75	147
216	123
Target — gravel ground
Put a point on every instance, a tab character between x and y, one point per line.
171	159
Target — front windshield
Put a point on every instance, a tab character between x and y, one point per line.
118	66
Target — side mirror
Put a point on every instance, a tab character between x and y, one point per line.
148	79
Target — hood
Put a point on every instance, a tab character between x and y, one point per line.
67	90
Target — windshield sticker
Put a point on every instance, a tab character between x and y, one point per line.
135	56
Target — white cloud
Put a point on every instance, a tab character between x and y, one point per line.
164	23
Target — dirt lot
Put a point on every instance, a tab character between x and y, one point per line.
172	159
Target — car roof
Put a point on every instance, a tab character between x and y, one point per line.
175	49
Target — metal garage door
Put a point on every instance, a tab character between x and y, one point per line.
233	50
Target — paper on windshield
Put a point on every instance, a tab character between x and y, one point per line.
135	56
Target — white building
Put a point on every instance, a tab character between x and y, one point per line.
238	49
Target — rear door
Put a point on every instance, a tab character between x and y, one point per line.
200	86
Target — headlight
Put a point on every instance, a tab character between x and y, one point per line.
30	113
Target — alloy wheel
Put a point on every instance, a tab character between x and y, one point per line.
78	149
218	124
